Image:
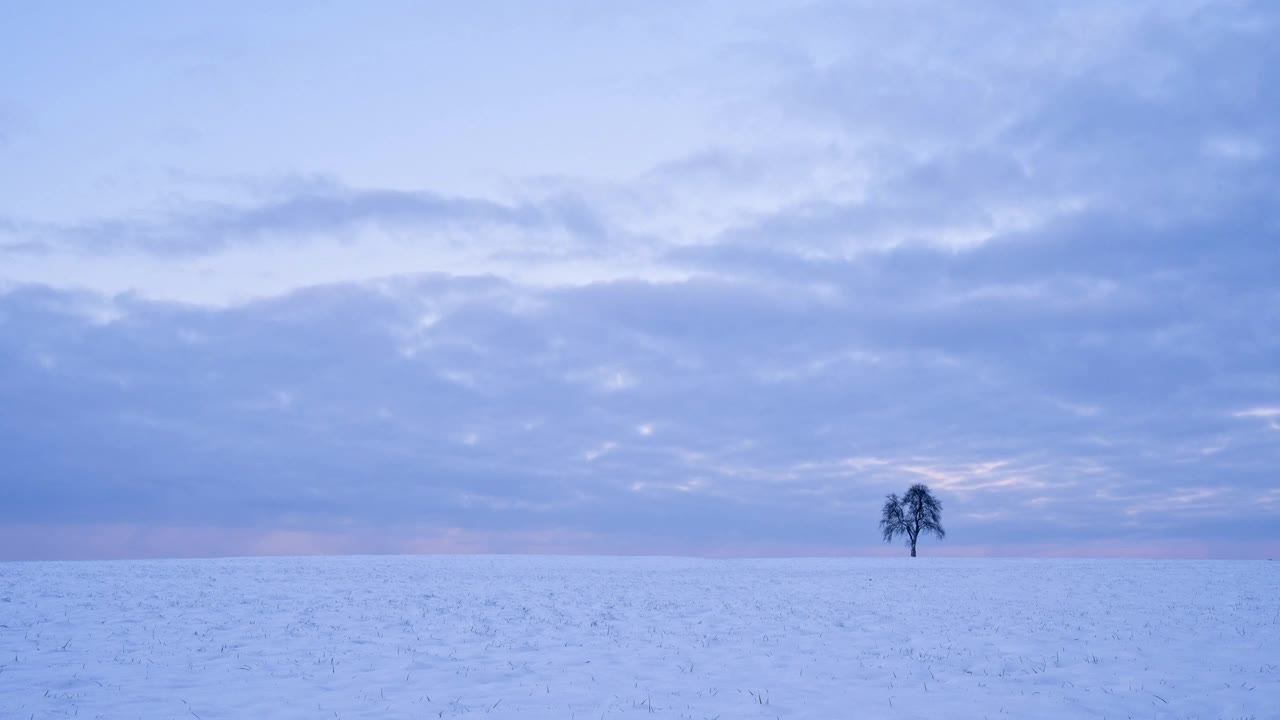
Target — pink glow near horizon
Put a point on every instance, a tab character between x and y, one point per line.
125	541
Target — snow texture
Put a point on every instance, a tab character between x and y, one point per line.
559	637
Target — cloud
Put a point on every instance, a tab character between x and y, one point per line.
912	137
1258	412
1036	272
325	210
340	406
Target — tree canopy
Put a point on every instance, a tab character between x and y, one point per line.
917	512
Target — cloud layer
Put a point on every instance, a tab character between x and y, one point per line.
1026	256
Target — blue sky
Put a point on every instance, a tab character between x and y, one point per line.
695	278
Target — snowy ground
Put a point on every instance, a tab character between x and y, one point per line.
540	637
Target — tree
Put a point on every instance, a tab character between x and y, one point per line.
917	512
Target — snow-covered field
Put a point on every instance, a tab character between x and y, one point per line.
555	637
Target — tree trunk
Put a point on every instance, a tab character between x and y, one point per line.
913	548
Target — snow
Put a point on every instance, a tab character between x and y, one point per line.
563	637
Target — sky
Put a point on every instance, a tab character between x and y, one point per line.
704	278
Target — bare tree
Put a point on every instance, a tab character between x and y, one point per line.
917	512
